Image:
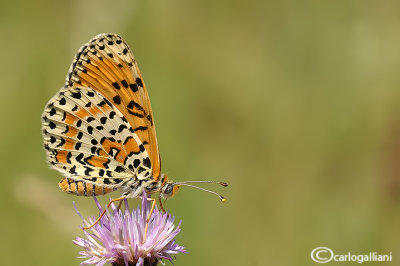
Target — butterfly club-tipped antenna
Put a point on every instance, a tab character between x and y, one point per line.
170	188
187	183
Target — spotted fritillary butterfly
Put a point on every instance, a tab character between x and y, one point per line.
99	131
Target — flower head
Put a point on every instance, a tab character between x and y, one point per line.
119	237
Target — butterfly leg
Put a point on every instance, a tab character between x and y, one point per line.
161	204
153	205
104	211
119	205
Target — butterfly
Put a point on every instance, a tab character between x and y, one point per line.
99	131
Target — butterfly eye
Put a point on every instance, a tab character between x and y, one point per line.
168	188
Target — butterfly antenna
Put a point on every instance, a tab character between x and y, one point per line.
224	184
206	190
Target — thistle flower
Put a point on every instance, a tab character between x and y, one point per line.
119	237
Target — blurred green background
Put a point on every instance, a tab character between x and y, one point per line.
295	103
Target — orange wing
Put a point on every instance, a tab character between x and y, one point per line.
107	65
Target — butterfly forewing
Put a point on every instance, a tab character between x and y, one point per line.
107	65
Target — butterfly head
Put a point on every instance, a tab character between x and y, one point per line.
169	190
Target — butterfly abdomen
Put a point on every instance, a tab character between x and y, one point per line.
83	188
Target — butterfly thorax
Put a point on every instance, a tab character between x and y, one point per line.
134	187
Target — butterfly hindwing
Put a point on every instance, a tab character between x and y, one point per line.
88	139
107	65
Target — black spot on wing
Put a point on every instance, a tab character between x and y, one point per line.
133	104
62	142
112	114
119	169
136	163
133	87
141	128
141	148
66	130
124	83
52	125
76	95
141	169
135	114
78	146
139	82
121	128
69	155
107	102
116	85
106	164
73	170
127	139
79	158
150	119
87	172
146	162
